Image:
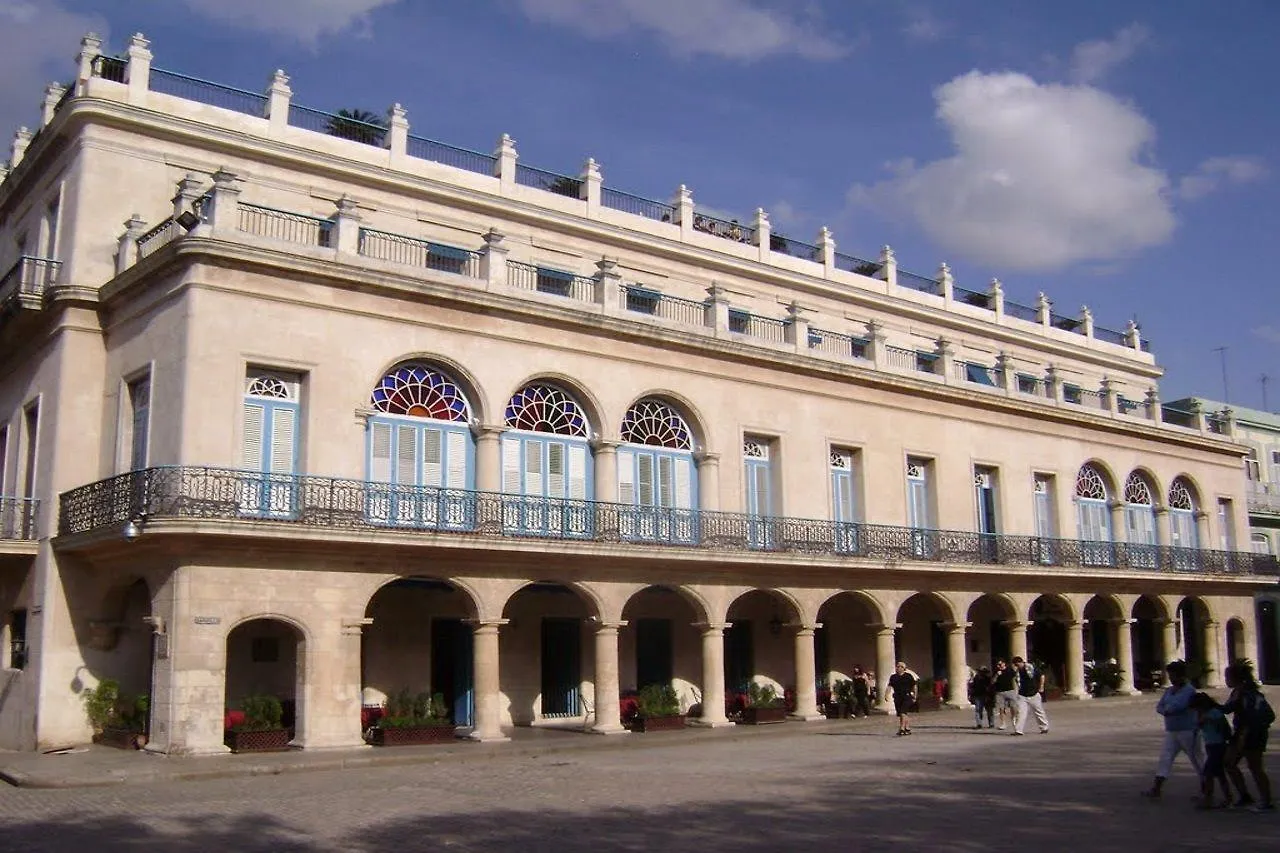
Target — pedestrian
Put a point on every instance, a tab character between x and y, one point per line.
1005	684
1181	726
1253	719
1215	733
903	685
983	697
1030	698
861	693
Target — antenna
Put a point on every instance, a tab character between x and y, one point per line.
1222	354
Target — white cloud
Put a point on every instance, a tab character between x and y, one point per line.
1092	60
1216	172
727	29
303	20
923	25
1043	176
1271	334
37	42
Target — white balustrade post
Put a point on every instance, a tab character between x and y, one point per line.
1133	336
90	49
608	285
137	73
948	283
21	139
397	138
189	189
52	94
716	313
127	248
1154	413
797	330
995	299
493	258
1086	320
505	156
224	213
1044	310
683	204
589	188
826	251
277	109
346	226
888	271
764	233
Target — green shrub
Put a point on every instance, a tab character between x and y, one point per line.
261	714
763	696
100	704
842	691
658	700
405	710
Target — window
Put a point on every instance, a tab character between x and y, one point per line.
642	301
1072	394
50	247
1251	471
1094	517
269	442
1274	474
758	492
984	489
1261	544
447	258
657	475
555	282
1183	528
18	639
1028	384
1046	517
858	347
546	455
1226	524
31	420
919	509
844	499
421	448
4	456
138	425
979	374
925	362
1140	521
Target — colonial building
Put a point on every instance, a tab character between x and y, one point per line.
298	404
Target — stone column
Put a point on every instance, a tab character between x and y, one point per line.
127	249
277	109
606	470
1212	643
1162	525
137	73
329	716
488	690
708	481
1168	640
884	664
608	712
488	457
1124	655
957	665
589	190
1074	687
806	675
1018	638
505	156
712	675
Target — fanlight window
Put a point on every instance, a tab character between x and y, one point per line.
420	392
269	386
545	408
841	460
754	448
1137	491
1090	485
655	423
1180	496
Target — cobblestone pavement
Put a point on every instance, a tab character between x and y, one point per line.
826	786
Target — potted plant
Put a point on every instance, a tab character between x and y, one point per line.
1103	677
261	730
658	709
410	720
117	720
763	705
841	704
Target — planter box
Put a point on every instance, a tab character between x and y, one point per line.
120	739
412	735
761	716
839	711
658	724
274	740
928	703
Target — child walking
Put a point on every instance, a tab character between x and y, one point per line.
1215	734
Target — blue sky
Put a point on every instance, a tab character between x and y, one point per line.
1116	154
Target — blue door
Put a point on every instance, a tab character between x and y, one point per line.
451	668
269	457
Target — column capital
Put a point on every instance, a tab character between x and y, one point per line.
1123	621
486	431
354	627
957	626
706	456
605	445
710	627
609	626
486	626
1017	624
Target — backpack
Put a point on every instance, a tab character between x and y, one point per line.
1258	713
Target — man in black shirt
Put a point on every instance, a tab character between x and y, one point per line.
1030	700
903	686
1006	687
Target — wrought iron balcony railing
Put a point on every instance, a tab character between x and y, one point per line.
18	518
29	276
228	494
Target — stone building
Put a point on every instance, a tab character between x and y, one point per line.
293	403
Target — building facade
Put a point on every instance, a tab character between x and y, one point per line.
340	411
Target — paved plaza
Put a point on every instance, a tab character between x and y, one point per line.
823	786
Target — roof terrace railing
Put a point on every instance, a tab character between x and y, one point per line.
1021	312
794	248
451	155
912	281
626	202
641	300
205	92
854	264
282	225
730	229
552	182
339	125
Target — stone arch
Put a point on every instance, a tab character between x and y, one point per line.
758	644
1193	487
1199	640
1150	615
921	640
696	421
866	599
590	404
1108	474
469	591
1237	642
850	620
989	637
265	654
481	409
1049	615
944	605
546	657
697	602
660	642
1153	482
1104	617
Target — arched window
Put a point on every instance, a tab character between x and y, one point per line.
269	444
656	472
1094	517
1183	507
1140	520
545	454
420	446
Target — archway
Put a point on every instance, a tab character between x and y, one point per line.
989	636
1047	638
1268	640
1235	641
758	647
1149	652
1102	616
1197	644
419	642
545	674
660	645
265	657
922	643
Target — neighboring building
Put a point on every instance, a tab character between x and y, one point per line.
353	411
1259	432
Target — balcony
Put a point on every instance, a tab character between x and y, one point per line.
1264	498
197	493
27	280
18	519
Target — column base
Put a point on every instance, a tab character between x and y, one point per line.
159	749
1132	691
1079	697
608	729
806	718
479	737
709	724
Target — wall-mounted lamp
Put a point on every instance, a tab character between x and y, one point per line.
188	220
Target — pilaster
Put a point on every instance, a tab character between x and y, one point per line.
716	312
346	226
224	213
797	330
189	189
127	248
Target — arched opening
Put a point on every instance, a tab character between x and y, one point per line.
1102	615
546	458
660	646
1268	640
1047	639
1184	525
1235	641
989	638
120	648
545	675
1193	617
1149	654
657	474
265	658
1093	515
845	645
1140	520
418	642
758	646
922	644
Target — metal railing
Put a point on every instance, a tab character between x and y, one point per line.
901	359
1178	417
1084	397
1264	497
451	155
157	494
729	230
413	252
971	297
978	374
794	248
642	301
205	92
528	176
1111	336
555	282
637	205
755	326
911	281
286	226
29	276
18	518
335	124
857	265
158	237
837	344
1022	312
1068	324
109	67
1034	385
